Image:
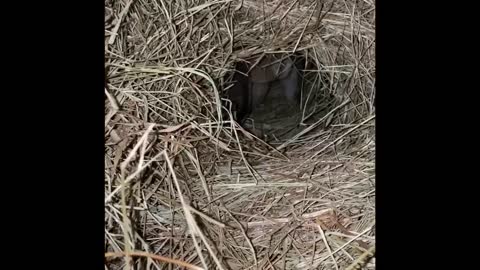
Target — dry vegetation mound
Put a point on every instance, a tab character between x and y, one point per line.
186	189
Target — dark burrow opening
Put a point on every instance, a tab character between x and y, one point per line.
276	118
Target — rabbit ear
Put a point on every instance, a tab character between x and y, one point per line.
284	67
290	85
260	74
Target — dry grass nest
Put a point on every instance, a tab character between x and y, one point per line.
188	189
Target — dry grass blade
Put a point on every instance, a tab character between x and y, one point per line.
358	263
111	40
191	222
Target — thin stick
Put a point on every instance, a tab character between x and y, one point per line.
155	257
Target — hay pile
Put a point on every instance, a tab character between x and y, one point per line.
185	189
